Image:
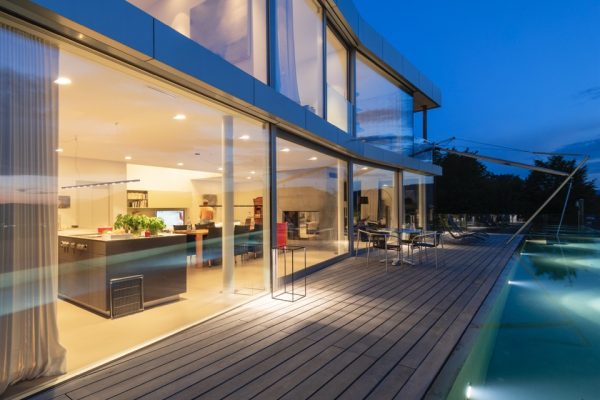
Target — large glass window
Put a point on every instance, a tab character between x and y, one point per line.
311	201
234	29
375	197
418	200
338	107
299	39
113	179
384	112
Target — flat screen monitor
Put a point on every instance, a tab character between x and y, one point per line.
172	217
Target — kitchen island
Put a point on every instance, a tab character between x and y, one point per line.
88	262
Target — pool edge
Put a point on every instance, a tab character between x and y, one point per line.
444	381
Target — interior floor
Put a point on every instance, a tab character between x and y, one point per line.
90	338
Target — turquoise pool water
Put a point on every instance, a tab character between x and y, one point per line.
542	338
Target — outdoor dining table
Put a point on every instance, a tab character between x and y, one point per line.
402	231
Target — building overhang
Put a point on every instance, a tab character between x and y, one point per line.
157	49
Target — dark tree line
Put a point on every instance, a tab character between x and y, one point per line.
467	186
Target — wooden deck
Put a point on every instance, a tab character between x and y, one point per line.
359	333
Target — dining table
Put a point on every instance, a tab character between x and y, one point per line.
198	235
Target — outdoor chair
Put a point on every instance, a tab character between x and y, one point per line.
459	229
459	235
427	240
372	239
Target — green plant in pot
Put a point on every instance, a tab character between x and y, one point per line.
122	222
155	225
134	224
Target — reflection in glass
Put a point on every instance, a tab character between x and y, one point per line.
418	200
311	201
338	107
375	199
299	72
234	29
382	109
90	162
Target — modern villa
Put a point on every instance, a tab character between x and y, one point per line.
154	153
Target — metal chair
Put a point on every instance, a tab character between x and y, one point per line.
424	241
373	240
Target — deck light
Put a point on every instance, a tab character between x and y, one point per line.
248	177
179	117
253	172
180	164
62	80
245	137
312	159
128	157
285	150
364	168
59	150
220	168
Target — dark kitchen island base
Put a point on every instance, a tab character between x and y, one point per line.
87	263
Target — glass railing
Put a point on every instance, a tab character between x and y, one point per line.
422	150
339	109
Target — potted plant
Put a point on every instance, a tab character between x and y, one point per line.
133	224
155	225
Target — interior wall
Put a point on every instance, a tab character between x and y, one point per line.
91	207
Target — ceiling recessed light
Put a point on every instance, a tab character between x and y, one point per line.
245	137
128	157
62	80
386	185
312	159
179	117
180	164
220	168
59	150
285	150
365	168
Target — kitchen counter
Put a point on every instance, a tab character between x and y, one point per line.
88	262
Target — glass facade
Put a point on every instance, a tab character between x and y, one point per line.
375	197
384	112
311	201
234	29
338	106
299	52
418	200
112	177
109	174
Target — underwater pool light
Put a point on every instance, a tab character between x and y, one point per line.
469	391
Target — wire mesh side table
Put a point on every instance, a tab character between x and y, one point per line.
286	294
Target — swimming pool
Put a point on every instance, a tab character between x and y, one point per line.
542	338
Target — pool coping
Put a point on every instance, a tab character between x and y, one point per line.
445	378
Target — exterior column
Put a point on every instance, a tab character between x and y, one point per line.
399	190
422	202
228	187
341	176
425	122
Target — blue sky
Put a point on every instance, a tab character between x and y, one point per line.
515	73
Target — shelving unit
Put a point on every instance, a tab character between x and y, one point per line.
258	210
137	199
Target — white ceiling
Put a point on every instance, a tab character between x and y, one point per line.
108	113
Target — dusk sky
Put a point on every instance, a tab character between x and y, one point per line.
515	73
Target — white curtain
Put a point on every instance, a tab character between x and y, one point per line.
29	346
287	83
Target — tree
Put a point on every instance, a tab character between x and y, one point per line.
462	187
539	186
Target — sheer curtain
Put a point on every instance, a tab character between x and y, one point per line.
287	82
29	345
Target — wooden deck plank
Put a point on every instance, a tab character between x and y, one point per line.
360	332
